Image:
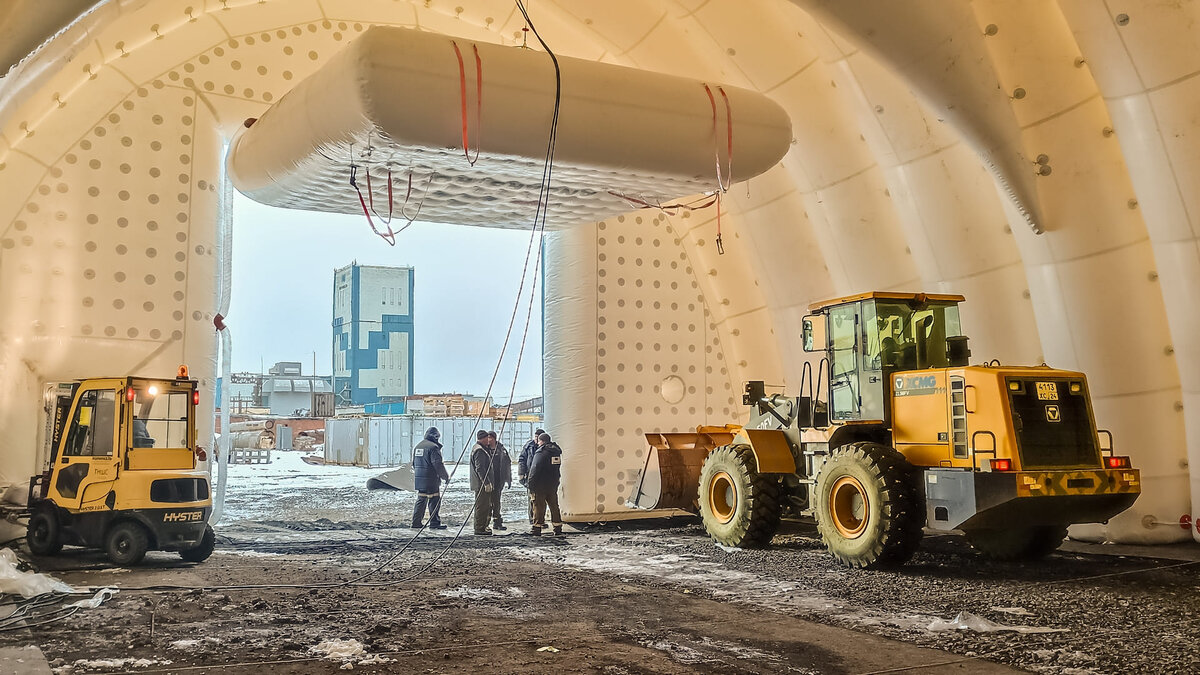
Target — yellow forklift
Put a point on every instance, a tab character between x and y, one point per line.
123	472
900	434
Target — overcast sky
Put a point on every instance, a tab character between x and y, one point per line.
465	288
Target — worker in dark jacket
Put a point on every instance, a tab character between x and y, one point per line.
531	447
544	474
429	472
502	470
483	482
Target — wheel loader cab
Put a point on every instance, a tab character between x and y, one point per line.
123	471
868	337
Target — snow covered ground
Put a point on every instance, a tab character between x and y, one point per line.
290	491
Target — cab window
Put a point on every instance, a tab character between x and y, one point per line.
160	418
912	338
91	432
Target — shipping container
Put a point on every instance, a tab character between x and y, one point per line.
389	441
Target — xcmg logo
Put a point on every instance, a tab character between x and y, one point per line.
183	517
921	382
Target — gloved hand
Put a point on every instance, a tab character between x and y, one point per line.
487	487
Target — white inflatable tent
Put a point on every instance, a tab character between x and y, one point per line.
1036	156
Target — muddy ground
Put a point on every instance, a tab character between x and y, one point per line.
610	599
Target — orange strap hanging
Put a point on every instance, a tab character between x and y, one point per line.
462	87
722	184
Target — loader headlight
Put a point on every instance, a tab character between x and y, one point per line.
1076	387
152	390
1014	386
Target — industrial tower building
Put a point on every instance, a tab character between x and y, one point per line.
372	333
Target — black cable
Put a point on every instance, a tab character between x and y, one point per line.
539	226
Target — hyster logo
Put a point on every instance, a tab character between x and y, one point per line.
182	517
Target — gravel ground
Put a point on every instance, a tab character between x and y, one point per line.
621	598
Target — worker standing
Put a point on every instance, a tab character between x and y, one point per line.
428	474
544	474
523	460
483	482
502	471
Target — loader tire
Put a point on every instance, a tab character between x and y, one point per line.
868	505
740	506
1025	543
44	536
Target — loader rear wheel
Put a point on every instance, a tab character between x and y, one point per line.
1025	543
868	507
739	505
43	536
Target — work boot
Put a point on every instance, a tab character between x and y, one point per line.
558	531
483	533
535	531
415	526
437	526
499	526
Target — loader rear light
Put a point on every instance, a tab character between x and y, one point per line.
196	397
1001	464
129	394
1116	462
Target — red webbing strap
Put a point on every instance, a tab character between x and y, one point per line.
722	185
462	90
389	236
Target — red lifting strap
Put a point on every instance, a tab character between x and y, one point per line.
462	88
722	185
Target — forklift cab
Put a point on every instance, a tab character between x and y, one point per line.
867	337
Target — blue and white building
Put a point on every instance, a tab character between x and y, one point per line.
372	333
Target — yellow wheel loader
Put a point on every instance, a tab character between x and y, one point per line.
900	434
122	472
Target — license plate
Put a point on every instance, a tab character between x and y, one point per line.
1047	391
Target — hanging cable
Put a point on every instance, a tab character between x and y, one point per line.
539	224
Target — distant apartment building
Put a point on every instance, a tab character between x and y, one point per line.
372	334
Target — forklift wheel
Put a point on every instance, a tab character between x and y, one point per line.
43	536
127	543
202	550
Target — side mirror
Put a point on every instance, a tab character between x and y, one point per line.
957	351
813	334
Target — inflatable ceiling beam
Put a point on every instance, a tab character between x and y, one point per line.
461	128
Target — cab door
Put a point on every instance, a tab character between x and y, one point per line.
85	466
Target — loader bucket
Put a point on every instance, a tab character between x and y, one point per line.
671	477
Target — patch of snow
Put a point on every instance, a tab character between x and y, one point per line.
339	650
969	621
1015	611
374	659
677	651
191	644
468	593
250	554
114	664
727	549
